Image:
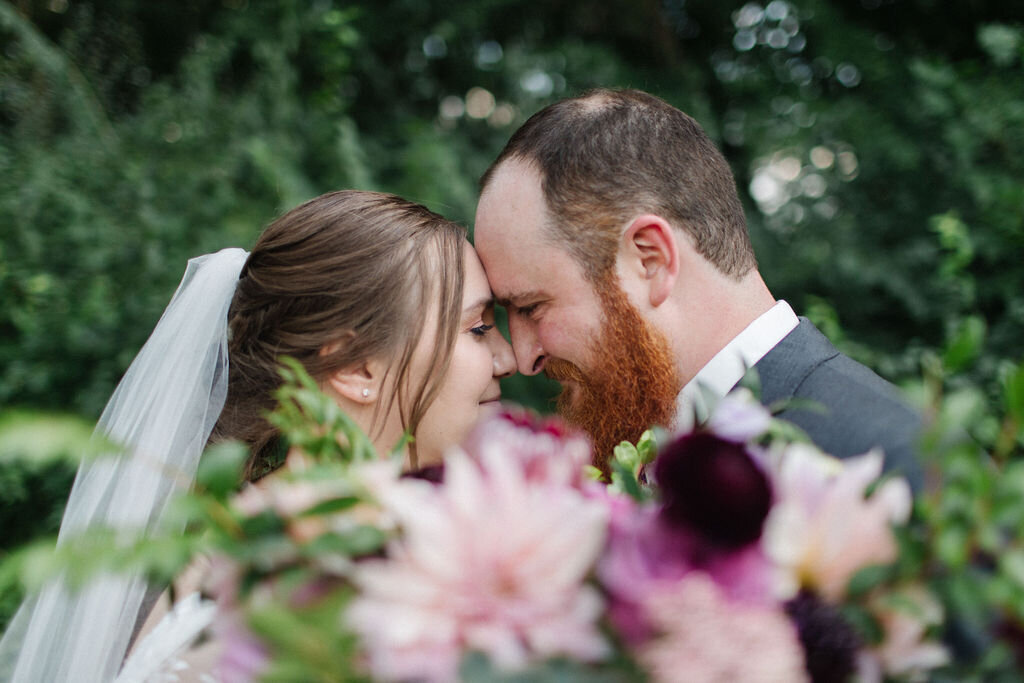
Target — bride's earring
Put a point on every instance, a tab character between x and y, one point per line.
366	393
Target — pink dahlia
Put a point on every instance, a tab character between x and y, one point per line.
823	528
492	561
708	638
545	448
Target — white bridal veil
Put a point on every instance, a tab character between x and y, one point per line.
163	411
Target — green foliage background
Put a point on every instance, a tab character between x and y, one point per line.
878	145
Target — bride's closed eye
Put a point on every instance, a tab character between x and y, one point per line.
482	329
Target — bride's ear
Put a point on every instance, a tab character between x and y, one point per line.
360	383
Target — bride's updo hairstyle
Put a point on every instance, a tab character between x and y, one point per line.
341	279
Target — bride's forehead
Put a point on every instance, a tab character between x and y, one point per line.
476	284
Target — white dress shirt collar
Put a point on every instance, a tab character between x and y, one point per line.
728	366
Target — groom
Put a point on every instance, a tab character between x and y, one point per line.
611	229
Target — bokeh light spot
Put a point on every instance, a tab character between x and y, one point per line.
452	107
434	46
172	132
537	83
488	54
744	40
848	74
847	164
749	15
822	157
479	103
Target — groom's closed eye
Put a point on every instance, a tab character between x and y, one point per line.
527	310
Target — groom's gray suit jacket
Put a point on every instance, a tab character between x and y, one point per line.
860	410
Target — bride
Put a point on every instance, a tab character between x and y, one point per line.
385	304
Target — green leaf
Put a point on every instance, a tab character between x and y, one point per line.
965	346
308	640
752	380
42	438
312	421
624	481
1013	391
360	541
863	622
952	546
220	468
477	668
1011	565
333	505
868	578
1003	43
403	442
626	455
266	523
647	446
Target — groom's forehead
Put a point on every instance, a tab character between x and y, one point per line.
522	273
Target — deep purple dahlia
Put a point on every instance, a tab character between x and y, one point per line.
713	487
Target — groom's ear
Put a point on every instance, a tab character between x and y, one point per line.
651	245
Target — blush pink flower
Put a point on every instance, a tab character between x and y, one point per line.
905	650
492	561
708	638
545	448
823	529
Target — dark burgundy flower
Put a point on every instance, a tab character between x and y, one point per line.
713	487
830	642
432	473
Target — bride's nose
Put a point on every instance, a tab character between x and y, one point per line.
504	360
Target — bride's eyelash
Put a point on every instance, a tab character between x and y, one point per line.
481	330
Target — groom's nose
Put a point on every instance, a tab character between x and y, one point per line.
526	345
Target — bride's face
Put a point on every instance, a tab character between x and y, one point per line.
470	388
479	357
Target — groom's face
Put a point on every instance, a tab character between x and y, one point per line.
617	372
552	308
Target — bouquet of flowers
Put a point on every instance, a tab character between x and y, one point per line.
730	551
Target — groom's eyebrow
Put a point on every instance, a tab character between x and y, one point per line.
519	298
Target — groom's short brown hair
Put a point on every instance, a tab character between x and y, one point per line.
609	155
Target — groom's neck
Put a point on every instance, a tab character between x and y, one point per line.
712	309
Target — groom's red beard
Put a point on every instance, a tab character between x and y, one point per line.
632	382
